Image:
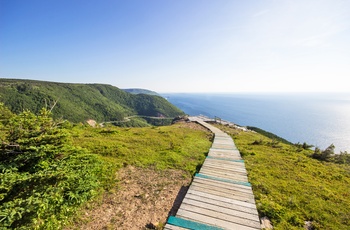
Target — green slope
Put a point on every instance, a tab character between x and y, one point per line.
141	91
79	102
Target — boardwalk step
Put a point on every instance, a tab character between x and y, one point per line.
223	180
224	159
188	224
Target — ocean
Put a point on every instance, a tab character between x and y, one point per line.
314	118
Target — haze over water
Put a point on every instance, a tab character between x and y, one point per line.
317	119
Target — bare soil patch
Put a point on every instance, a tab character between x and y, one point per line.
144	200
191	125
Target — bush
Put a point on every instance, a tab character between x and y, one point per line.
44	179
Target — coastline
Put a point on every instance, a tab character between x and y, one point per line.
315	118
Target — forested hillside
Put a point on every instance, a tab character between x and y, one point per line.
79	102
141	91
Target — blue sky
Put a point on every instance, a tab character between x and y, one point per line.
180	45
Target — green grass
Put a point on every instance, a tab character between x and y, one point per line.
290	187
176	146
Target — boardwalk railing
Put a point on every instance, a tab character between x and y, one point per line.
220	196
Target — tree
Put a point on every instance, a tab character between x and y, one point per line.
325	155
32	140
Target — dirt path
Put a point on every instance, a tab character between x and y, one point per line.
143	201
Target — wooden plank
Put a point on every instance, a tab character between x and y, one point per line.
223	179
205	187
190	224
220	209
216	147
220	203
223	199
230	172
223	137
231	163
225	159
215	175
173	227
231	156
210	220
241	170
223	174
230	153
240	188
234	179
218	159
225	168
231	190
238	169
223	183
223	142
223	151
220	176
223	194
227	154
220	215
223	146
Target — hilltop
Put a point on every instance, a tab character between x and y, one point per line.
80	102
141	91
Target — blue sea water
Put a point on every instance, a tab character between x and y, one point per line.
317	119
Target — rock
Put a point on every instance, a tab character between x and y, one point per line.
308	225
265	223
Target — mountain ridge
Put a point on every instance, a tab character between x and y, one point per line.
78	102
141	91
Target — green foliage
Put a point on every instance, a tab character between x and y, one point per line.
303	146
80	102
269	135
329	155
44	179
290	187
342	158
5	114
325	155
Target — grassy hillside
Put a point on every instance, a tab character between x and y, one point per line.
141	91
79	102
290	187
50	168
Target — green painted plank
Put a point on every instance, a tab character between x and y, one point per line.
224	180
189	224
224	159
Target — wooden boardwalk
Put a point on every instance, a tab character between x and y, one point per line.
220	196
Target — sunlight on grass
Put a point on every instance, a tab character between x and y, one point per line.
163	147
290	187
